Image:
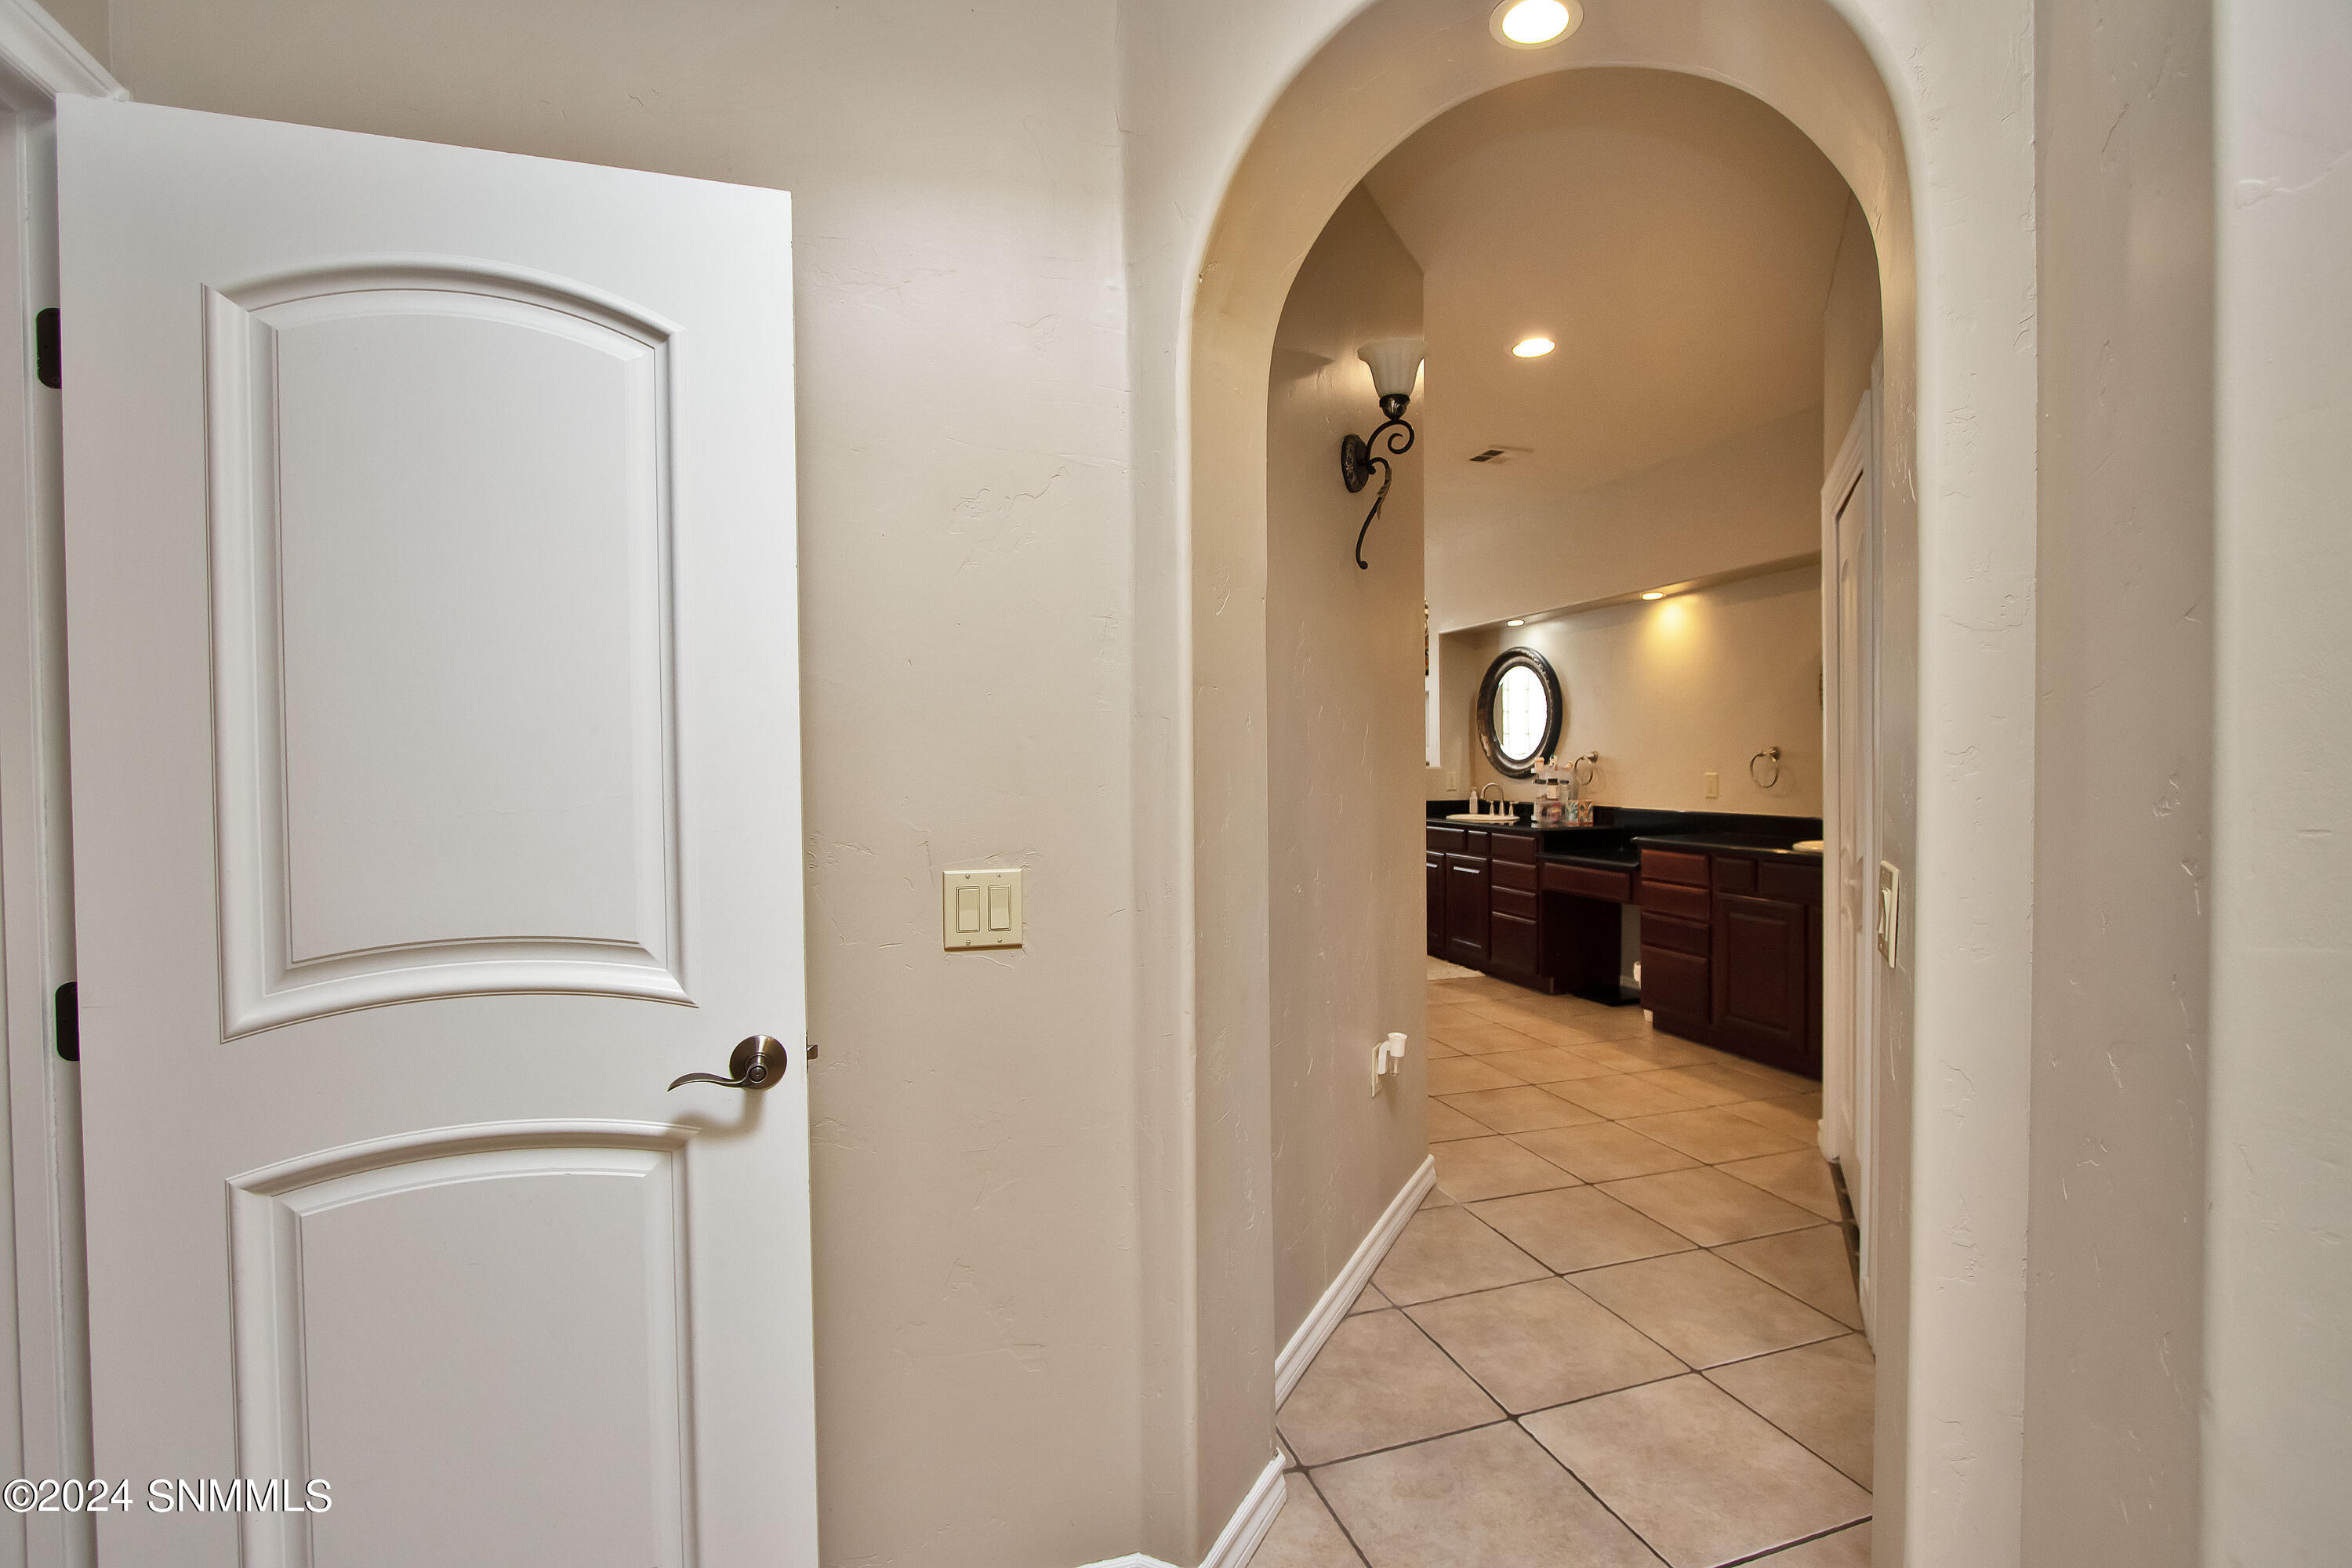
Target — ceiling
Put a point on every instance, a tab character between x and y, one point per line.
1674	236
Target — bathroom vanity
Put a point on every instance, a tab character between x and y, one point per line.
1730	918
1731	944
1489	906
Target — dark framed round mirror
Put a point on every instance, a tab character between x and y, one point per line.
1520	713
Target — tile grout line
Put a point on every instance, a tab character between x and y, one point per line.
1772	1552
1688	1370
1516	1419
1519	1419
1507	1420
1503	1420
1363	1560
1869	1491
1813	1221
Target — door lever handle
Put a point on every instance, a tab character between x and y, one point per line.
757	1062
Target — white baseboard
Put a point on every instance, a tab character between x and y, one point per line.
1333	1307
1239	1540
1250	1521
1237	1544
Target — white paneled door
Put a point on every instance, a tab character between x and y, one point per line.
436	799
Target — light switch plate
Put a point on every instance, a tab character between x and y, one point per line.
980	908
1714	786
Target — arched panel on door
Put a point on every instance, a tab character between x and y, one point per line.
443	691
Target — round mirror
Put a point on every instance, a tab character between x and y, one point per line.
1519	712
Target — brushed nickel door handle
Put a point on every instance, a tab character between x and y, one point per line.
757	1062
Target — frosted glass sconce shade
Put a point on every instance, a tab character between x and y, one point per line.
1396	364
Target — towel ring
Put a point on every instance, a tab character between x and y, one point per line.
1587	763
1769	754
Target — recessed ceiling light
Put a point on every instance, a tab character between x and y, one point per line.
1654	593
1515	623
1533	348
1532	24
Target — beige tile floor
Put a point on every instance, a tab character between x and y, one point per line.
1621	1332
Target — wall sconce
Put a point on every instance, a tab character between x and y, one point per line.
1396	364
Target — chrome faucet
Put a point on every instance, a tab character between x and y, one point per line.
1478	801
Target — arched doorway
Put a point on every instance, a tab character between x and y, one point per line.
1393	68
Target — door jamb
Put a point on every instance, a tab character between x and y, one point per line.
43	1297
1849	1035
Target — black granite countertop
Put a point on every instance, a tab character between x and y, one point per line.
1773	845
1612	840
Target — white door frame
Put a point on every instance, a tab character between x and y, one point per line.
48	1380
1849	1032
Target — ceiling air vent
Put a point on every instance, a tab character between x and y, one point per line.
1499	454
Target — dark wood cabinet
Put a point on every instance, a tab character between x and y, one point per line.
1731	936
1761	986
1513	945
1497	903
1731	953
1433	874
1674	985
1487	909
1465	911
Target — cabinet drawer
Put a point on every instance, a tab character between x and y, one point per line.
1511	874
1474	842
1674	985
1791	879
1674	866
1442	838
1514	846
1667	898
1512	901
1682	936
1589	882
1511	943
1734	874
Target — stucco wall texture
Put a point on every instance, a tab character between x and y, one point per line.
1343	765
1042	249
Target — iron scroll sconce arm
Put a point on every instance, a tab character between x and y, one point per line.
1359	455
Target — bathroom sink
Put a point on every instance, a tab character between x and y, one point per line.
1491	818
1813	844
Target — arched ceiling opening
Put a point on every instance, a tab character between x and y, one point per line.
1675	237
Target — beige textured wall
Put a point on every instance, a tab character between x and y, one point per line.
2123	786
966	395
965	594
1850	332
1343	767
86	20
1751	499
2278	1335
1462	660
1671	691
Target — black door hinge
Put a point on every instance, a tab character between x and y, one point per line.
48	356
70	1021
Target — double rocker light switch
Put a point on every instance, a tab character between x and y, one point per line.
980	908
